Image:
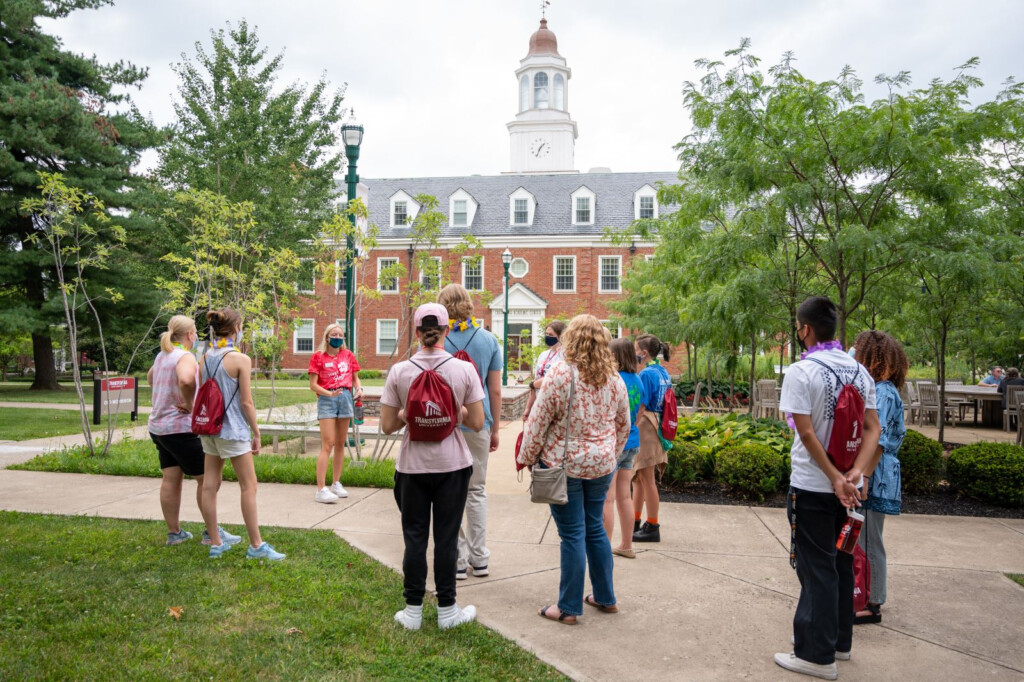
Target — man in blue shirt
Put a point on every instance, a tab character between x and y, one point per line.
993	378
468	334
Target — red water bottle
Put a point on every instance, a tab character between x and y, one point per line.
850	532
359	410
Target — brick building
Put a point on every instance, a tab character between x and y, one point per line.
550	217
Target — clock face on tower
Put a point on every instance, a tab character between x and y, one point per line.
540	147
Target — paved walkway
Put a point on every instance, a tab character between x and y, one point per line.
713	601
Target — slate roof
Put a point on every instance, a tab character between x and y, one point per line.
613	203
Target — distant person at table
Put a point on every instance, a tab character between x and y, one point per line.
1012	378
994	377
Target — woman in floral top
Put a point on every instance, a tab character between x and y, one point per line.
594	442
884	358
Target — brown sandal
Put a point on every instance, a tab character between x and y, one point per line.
562	618
609	608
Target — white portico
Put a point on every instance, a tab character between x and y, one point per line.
525	312
543	136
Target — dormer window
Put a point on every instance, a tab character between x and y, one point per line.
459	213
645	203
461	208
521	207
540	90
582	206
403	209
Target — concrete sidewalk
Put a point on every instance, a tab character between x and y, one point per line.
713	601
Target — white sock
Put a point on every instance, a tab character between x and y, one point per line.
411	617
450	616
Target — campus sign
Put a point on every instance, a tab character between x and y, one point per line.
114	395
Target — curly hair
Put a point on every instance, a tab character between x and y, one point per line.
883	356
585	343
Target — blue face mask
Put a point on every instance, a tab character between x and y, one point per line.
852	352
336	342
550	340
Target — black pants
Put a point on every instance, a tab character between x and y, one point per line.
416	495
824	615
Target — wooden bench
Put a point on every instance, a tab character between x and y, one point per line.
302	430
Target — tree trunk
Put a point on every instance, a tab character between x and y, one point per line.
42	355
941	419
752	382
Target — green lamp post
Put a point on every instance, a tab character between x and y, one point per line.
506	260
352	135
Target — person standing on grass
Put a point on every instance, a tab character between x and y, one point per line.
619	492
819	493
652	457
334	378
885	360
485	353
173	378
546	360
432	478
239	437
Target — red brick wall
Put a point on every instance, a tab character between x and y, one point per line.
329	305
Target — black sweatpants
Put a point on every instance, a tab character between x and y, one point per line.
824	615
417	495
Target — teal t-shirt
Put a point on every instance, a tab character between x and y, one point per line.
635	391
481	345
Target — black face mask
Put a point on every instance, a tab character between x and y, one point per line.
803	344
550	340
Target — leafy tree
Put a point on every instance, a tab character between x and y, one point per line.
239	136
59	113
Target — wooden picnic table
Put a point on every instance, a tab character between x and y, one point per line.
991	402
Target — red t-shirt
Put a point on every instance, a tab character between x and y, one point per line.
334	372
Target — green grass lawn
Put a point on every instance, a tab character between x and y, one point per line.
1017	578
139	458
23	423
90	598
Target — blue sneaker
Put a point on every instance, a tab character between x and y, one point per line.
264	551
178	538
225	537
217	550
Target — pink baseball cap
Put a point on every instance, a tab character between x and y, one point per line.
428	310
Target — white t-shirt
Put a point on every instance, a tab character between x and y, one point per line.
811	389
547	360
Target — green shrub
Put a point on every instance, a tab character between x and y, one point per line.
687	463
712	432
921	463
754	470
371	374
992	472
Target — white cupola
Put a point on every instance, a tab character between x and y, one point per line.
542	137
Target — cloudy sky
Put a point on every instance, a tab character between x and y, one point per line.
434	84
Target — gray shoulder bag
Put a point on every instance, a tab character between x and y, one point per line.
548	486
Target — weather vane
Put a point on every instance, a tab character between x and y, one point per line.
543	8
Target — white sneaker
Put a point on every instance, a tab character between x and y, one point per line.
798	665
338	489
325	496
840	655
410	618
451	616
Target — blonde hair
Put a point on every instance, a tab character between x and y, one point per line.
456	299
331	327
585	345
178	328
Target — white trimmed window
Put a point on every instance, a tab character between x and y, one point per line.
473	273
461	208
403	209
459	213
521	212
559	100
306	283
610	274
524	93
613	328
387	283
430	273
645	203
302	337
401	214
648	257
582	206
387	336
518	267
565	274
521	207
540	90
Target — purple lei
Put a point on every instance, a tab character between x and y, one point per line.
827	345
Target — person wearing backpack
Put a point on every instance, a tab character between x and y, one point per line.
430	395
819	393
334	378
467	340
225	395
885	360
652	457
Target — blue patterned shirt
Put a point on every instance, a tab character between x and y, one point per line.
884	494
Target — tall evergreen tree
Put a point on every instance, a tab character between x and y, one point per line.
59	112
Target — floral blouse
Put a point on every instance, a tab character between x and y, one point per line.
884	492
599	424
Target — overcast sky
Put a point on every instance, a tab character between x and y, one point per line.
434	84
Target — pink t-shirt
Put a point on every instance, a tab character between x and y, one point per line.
334	371
452	453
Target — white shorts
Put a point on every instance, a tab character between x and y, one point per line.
225	449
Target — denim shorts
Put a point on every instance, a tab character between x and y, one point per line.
626	458
335	407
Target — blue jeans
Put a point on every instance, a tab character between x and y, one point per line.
584	541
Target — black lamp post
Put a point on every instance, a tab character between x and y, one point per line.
352	135
506	260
